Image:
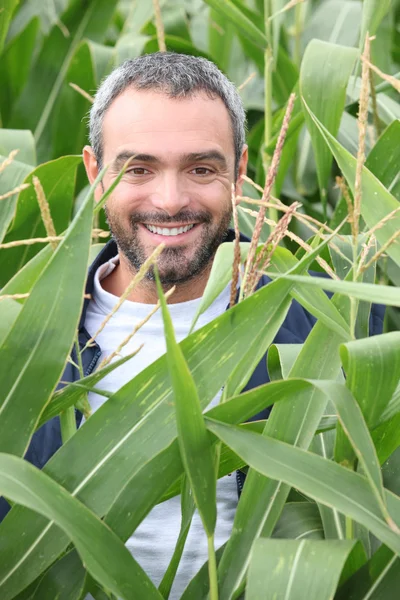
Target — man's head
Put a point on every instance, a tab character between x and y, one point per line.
184	123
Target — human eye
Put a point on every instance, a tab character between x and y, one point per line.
138	171
202	171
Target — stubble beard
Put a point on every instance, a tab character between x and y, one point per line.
176	265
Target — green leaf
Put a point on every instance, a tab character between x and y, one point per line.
11	177
45	328
320	479
324	75
377	580
263	499
377	202
231	12
280	360
373	13
64	580
88	65
58	182
21	140
384	158
372	369
15	66
299	520
103	553
8	7
194	441
72	393
380	294
296	569
34	108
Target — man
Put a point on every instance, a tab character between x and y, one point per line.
183	125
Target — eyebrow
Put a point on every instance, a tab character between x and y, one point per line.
213	155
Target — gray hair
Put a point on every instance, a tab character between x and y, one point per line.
178	75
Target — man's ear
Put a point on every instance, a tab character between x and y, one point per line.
241	171
92	170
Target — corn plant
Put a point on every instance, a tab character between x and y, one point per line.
319	514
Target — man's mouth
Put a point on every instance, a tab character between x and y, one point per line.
169	231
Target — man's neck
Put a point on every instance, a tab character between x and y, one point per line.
146	293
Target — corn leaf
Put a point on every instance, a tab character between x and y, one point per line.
42	334
325	71
320	479
297	569
139	415
103	553
377	202
194	441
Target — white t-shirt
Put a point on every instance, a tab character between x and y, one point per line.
153	542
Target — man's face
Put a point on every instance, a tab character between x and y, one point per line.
177	189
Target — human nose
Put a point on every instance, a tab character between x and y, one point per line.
170	196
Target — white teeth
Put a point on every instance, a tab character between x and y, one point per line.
169	231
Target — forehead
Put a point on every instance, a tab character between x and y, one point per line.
152	122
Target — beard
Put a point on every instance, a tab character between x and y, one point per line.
177	264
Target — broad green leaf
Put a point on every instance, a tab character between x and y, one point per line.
89	64
140	415
324	74
15	67
380	294
320	479
230	11
42	334
21	140
58	182
194	441
377	580
34	108
318	305
334	21
299	520
296	569
64	580
372	368
9	311
220	276
373	13
377	202
280	360
8	7
384	158
73	392
263	499
333	522
11	177
386	438
353	423
220	39
103	553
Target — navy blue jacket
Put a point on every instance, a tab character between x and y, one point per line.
294	330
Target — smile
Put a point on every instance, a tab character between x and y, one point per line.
169	231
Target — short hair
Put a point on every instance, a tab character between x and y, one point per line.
177	75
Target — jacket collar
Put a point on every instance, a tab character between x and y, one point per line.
109	251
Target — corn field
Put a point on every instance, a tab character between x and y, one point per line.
319	515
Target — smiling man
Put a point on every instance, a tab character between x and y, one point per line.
182	124
185	135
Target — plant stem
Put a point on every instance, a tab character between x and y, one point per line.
68	424
212	569
268	67
349	528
